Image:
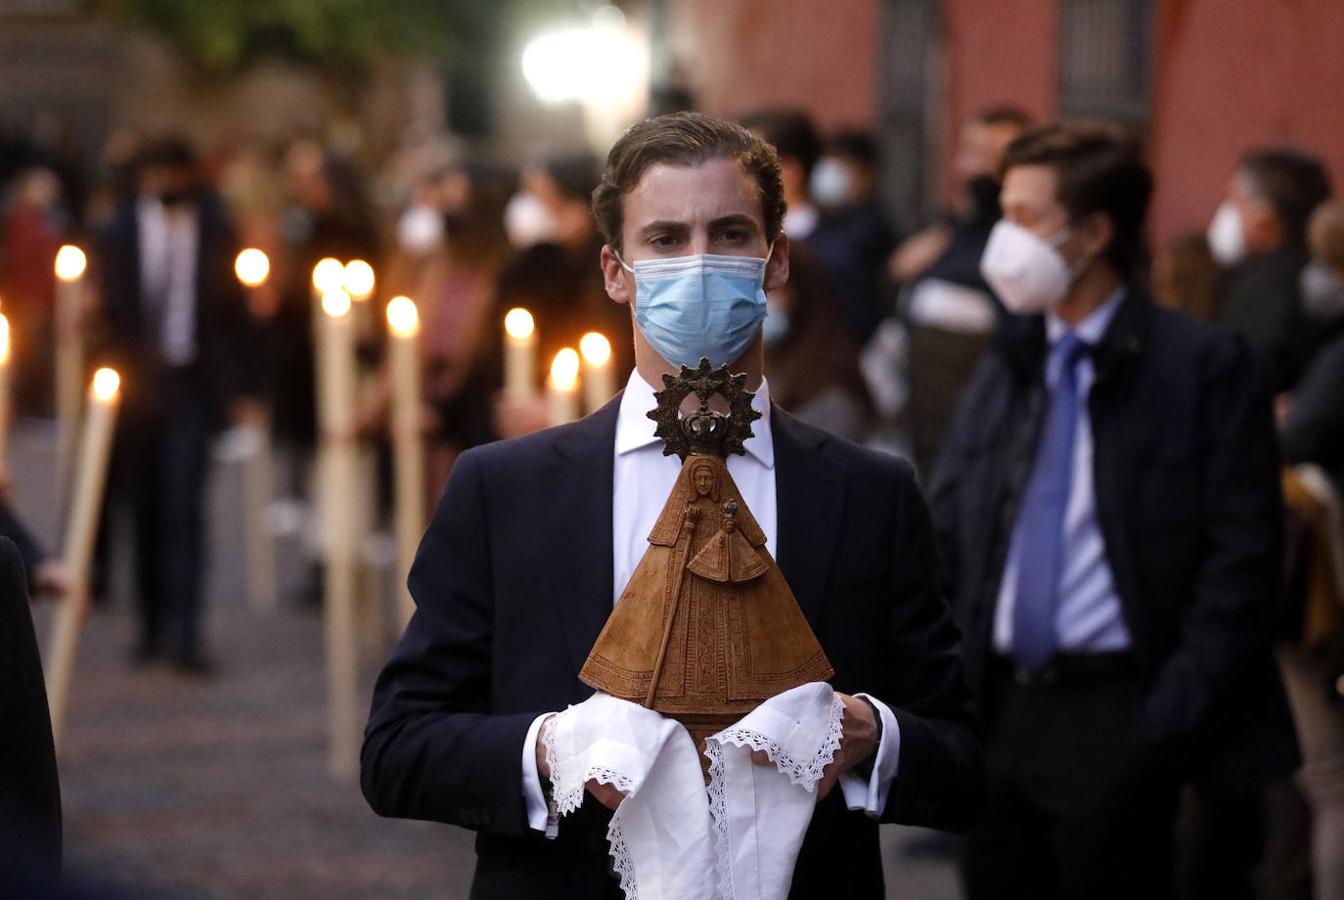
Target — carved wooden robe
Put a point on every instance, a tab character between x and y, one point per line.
707	628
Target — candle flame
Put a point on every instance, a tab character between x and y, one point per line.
328	275
358	279
595	348
4	340
336	303
252	267
106	383
565	369
70	263
519	324
402	316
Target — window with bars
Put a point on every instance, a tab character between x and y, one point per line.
1104	53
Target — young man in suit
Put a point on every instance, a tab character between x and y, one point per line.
534	539
175	322
1108	515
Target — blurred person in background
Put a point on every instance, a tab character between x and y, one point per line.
1108	511
853	236
1259	234
810	354
1186	277
1312	657
550	225
173	318
32	230
947	310
846	260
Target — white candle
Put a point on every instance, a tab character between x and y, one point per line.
598	386
253	267
408	450
520	350
90	481
562	388
336	397
71	265
6	408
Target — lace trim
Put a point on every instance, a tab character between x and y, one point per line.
621	861
805	775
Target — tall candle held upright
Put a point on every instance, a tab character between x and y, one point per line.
598	386
6	406
336	396
562	388
71	265
90	481
253	268
520	350
403	322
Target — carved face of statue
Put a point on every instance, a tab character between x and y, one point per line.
704	480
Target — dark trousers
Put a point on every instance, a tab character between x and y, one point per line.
163	459
1076	807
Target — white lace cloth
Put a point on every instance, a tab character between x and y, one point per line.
672	838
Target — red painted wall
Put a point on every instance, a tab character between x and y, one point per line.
1271	72
821	56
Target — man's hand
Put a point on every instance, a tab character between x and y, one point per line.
605	794
858	741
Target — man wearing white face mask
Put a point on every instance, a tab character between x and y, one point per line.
535	538
1259	234
1107	511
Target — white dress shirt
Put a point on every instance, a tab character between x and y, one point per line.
1088	618
169	239
642	481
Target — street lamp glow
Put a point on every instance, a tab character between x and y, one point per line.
336	303
70	263
252	267
519	324
328	276
402	316
106	383
358	279
596	63
595	348
565	369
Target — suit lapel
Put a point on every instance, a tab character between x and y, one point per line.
810	498
577	487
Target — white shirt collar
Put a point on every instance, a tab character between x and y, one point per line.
635	430
1092	329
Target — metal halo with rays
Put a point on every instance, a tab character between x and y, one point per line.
704	432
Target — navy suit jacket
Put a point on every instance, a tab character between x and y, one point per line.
513	582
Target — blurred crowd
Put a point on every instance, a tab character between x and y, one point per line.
874	338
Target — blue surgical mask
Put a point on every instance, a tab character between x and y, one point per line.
698	306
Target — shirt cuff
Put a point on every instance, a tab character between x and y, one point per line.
870	794
534	796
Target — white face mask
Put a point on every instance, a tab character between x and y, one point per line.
830	184
1026	270
1322	291
528	222
420	229
1227	235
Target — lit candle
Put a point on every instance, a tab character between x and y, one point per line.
71	265
253	268
336	399
82	529
358	280
5	407
597	382
403	322
520	350
562	388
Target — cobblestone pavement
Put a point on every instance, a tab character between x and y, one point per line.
218	788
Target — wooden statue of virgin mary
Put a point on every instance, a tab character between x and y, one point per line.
707	627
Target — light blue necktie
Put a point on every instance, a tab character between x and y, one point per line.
1040	521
